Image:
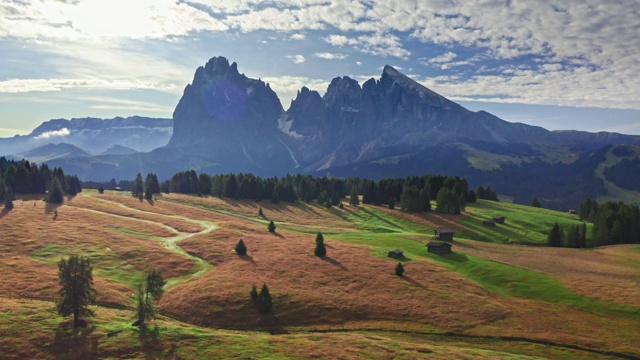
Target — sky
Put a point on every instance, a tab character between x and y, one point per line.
570	64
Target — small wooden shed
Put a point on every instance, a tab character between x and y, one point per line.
490	223
396	254
499	219
444	234
439	247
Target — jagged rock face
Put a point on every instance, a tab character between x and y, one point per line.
390	116
230	118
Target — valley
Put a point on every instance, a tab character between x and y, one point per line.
501	293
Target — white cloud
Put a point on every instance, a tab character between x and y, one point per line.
331	56
56	133
297	59
444	58
297	37
375	44
45	85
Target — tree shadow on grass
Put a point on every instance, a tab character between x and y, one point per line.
412	281
152	345
74	343
278	234
247	258
334	262
4	212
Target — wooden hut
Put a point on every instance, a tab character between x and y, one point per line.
444	234
489	223
499	219
396	254
439	247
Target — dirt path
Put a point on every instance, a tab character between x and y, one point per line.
171	243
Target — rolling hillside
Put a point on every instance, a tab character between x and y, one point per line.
492	297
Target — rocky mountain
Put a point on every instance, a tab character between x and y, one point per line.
387	127
51	152
232	120
94	135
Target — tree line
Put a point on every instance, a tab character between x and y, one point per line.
24	177
613	222
415	192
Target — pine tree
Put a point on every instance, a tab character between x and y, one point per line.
138	187
275	198
241	249
265	304
77	291
320	250
147	193
101	190
8	201
148	294
535	202
353	198
392	203
253	294
271	227
3	190
399	269
555	236
260	213
55	195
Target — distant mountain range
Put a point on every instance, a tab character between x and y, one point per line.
387	127
94	135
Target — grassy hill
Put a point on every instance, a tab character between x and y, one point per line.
492	297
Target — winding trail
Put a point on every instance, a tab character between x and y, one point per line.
170	243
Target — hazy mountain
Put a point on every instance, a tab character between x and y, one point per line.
387	127
53	151
119	150
94	135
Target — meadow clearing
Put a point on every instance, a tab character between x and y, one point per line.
492	297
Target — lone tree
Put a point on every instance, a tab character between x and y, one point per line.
555	236
77	291
271	227
241	249
260	213
399	269
320	250
148	294
101	190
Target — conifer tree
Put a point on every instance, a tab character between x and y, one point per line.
3	190
555	236
320	250
265	304
271	227
319	238
55	195
147	193
138	186
535	202
8	201
253	294
399	269
101	190
241	249
77	291
392	203
260	212
353	198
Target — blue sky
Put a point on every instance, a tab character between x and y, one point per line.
571	64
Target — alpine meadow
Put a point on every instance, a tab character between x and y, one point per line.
334	179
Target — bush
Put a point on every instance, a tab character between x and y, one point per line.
241	249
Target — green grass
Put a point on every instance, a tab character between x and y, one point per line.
386	232
511	281
106	262
129	232
524	224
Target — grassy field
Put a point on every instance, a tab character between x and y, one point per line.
492	298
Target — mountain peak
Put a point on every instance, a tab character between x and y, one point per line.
390	70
